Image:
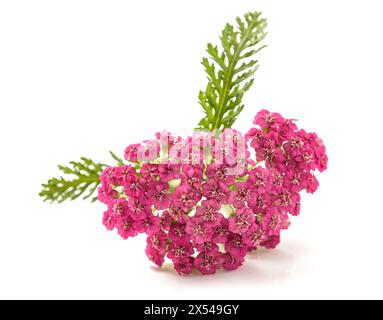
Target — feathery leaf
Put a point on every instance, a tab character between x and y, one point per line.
228	69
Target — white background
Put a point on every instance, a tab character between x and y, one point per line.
79	78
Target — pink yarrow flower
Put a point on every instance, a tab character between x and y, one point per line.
209	212
156	248
242	221
198	230
236	246
201	213
207	262
180	250
185	197
184	266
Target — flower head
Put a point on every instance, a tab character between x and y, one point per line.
184	266
180	250
127	227
209	212
201	214
217	190
198	230
266	119
156	248
207	262
185	197
231	262
236	246
242	221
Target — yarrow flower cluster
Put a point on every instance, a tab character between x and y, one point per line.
206	201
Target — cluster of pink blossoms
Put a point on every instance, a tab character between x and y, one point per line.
203	202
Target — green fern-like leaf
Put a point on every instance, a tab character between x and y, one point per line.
82	179
230	71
